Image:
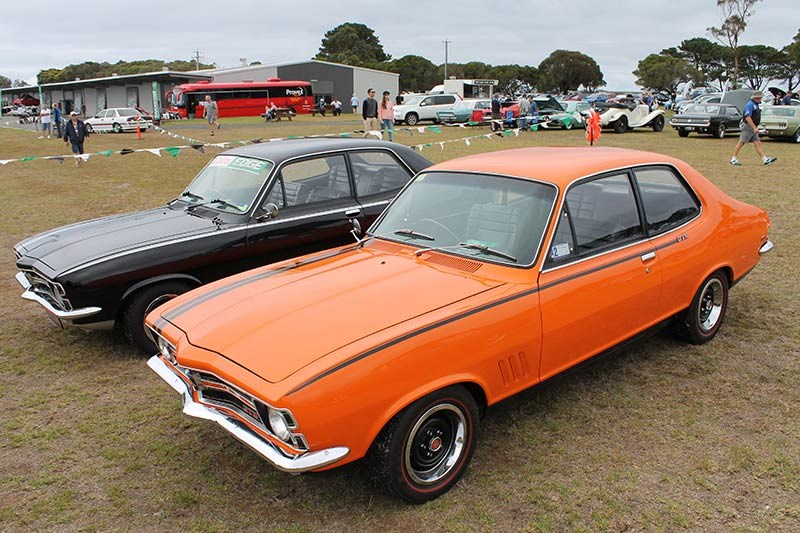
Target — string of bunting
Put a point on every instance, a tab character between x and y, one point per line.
200	146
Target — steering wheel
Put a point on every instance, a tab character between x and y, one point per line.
439	225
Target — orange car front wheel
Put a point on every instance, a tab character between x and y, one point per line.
423	451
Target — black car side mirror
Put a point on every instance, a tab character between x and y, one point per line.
356	231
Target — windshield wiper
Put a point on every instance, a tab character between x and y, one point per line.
488	251
214	201
412	233
190	194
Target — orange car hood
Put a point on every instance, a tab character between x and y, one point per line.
277	325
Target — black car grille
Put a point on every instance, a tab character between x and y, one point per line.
47	289
216	392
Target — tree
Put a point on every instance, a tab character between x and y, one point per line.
4	82
416	73
91	69
760	63
20	83
735	14
791	63
565	70
352	44
709	59
663	72
514	79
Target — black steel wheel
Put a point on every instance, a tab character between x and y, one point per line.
425	449
139	305
621	124
701	321
796	137
658	123
719	132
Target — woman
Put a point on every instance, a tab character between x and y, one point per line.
386	113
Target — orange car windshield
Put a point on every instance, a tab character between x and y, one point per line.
487	217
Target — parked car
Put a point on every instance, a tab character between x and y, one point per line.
781	121
485	276
622	116
573	116
119	119
249	206
463	110
424	107
707	98
712	119
594	98
26	100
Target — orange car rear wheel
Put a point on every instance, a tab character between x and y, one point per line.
701	321
423	451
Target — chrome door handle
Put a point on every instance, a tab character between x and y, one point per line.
648	256
352	212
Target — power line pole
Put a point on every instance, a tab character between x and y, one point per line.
446	43
196	56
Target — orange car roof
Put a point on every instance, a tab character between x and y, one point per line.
560	166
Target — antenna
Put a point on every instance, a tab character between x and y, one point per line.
196	56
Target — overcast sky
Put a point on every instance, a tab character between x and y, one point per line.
616	33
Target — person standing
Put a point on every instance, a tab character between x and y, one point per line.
354	103
522	113
76	134
369	112
212	112
496	117
44	119
387	114
56	115
749	134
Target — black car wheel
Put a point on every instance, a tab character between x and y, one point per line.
412	119
701	321
796	137
424	450
683	132
89	128
621	124
719	132
140	304
117	128
658	123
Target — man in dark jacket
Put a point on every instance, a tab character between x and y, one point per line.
57	119
369	112
75	133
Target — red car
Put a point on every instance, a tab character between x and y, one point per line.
26	100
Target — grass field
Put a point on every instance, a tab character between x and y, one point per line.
660	437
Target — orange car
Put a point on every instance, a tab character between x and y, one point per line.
487	275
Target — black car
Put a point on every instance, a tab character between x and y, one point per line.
249	206
713	119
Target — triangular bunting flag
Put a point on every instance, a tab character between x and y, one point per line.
5	161
85	157
106	153
59	159
421	129
435	129
29	158
154	151
126	151
173	150
199	148
466	141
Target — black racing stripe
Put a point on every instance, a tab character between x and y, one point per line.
590	271
411	335
159	324
187	306
667	244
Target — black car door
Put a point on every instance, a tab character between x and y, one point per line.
378	176
314	201
733	118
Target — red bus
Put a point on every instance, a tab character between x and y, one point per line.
240	99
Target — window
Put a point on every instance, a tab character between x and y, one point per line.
603	213
732	111
310	181
377	172
132	94
666	201
444	100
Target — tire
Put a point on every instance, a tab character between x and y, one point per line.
796	137
658	123
425	449
89	128
140	304
117	128
683	132
719	132
621	124
701	321
412	119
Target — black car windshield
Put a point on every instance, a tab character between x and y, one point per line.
228	183
487	217
703	109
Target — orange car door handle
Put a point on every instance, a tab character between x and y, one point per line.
648	256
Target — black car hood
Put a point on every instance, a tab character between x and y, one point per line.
67	247
696	115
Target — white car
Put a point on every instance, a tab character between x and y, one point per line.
118	119
623	117
424	107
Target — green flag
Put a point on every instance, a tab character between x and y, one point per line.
173	150
106	153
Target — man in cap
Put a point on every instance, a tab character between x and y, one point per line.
749	134
75	132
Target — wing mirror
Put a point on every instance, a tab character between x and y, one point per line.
268	212
356	231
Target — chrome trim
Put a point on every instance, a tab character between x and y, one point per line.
295	464
544	269
648	256
69	316
766	247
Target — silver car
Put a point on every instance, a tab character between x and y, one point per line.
118	119
424	107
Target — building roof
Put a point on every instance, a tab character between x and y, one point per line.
161	75
232	70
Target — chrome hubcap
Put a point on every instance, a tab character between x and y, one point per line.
710	306
435	444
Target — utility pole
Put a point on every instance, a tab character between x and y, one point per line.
446	43
196	56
